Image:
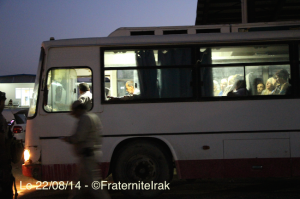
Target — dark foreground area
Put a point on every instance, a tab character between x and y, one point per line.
277	188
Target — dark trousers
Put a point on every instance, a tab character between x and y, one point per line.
6	186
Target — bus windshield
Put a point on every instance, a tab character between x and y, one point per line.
33	101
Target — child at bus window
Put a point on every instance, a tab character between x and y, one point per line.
269	87
216	88
281	77
223	86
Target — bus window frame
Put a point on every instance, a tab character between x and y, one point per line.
292	58
42	60
150	47
67	67
293	61
248	97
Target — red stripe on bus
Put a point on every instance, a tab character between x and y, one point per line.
62	172
295	166
66	171
59	172
236	168
192	169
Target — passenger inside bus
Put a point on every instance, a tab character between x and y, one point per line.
231	83
269	87
85	95
259	80
216	88
281	77
62	88
260	87
239	89
129	88
223	86
131	92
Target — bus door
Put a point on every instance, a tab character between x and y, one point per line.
61	90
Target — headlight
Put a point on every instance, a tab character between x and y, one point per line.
26	155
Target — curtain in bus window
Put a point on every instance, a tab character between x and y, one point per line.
207	79
174	56
175	82
206	73
205	56
147	78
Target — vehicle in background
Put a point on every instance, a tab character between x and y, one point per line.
20	118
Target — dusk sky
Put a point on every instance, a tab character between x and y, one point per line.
25	24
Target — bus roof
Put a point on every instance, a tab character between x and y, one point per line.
205	38
219	28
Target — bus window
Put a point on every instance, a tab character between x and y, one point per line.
147	57
244	54
268	80
219	81
150	84
257	80
62	87
33	101
159	74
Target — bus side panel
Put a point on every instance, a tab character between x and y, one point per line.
59	161
295	153
231	155
201	117
263	149
55	158
234	168
61	154
223	155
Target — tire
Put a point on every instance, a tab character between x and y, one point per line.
142	161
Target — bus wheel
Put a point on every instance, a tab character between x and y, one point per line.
142	162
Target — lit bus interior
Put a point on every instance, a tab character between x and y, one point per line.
168	73
62	87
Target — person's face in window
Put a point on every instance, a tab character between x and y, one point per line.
269	85
260	88
215	87
223	85
129	89
279	80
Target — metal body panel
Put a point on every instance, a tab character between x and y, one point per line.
185	127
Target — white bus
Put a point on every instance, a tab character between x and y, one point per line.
164	104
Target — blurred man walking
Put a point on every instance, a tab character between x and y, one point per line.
86	139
